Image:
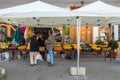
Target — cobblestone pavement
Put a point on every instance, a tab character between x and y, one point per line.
97	69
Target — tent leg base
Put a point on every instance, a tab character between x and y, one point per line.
81	72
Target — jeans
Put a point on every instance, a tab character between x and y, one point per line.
51	60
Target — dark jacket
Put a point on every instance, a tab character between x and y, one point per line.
34	45
41	42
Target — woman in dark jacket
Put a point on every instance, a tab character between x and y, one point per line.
34	48
41	41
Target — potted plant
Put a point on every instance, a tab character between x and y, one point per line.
99	42
113	45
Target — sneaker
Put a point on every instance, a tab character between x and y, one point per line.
51	64
31	65
35	64
48	62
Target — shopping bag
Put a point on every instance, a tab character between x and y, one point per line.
38	58
5	56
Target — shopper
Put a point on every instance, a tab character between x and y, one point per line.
49	46
34	48
41	41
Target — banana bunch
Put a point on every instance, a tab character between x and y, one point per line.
3	46
75	46
102	46
23	47
58	44
67	46
95	47
106	49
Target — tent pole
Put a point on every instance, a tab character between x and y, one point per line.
78	43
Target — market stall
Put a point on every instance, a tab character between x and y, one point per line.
95	9
32	11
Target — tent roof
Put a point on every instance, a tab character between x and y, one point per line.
59	21
25	15
43	21
34	9
98	8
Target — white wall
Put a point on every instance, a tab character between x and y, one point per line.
116	32
95	33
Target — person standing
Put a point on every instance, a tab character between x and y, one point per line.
34	48
49	46
41	41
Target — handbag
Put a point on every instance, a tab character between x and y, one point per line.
41	48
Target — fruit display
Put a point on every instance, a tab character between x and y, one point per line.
102	46
58	48
67	46
106	43
95	47
3	45
85	47
106	49
75	46
22	47
58	44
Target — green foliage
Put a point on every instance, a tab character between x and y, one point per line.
113	44
99	42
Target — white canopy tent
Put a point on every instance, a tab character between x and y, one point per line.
45	14
40	9
95	9
98	8
24	14
34	9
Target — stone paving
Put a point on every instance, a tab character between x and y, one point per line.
97	69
